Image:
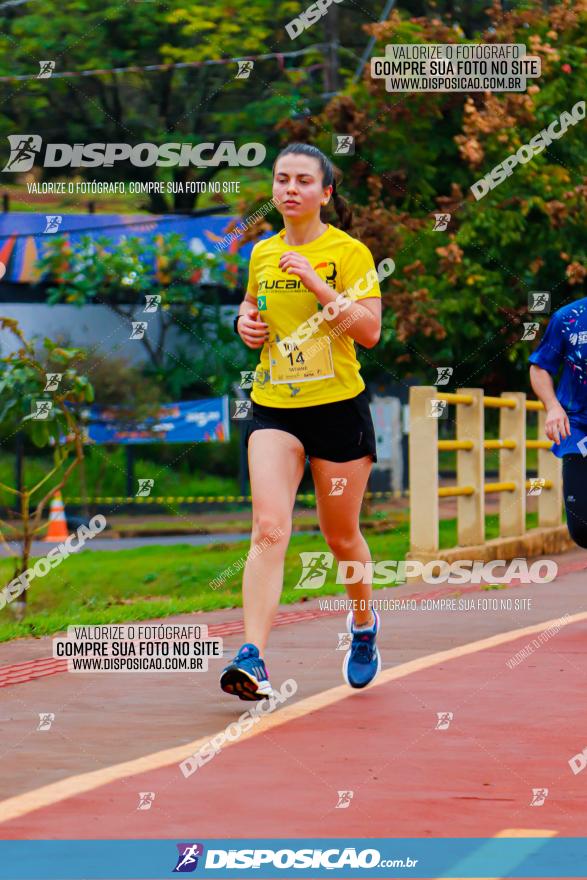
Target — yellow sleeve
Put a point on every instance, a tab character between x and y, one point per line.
358	272
253	282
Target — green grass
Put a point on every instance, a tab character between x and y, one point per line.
106	476
239	522
151	582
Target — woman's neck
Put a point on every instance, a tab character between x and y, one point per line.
304	232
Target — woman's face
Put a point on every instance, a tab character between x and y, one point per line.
297	186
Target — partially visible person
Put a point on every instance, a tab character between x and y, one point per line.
564	344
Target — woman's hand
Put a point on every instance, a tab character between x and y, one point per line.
252	330
557	423
295	264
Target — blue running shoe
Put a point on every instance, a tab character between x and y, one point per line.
362	661
246	675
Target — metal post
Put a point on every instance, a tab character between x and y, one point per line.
423	441
471	469
550	501
512	467
369	47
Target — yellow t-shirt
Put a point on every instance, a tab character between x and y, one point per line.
321	366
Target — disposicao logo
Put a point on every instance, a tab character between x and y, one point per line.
24	149
187	860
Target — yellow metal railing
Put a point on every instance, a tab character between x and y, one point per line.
470	446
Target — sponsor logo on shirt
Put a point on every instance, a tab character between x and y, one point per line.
328	274
578	338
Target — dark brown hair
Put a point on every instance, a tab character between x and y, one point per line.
343	210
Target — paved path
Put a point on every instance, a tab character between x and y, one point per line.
514	728
40	548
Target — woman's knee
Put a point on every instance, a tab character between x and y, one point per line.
268	527
344	543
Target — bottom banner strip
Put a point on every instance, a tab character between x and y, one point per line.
536	855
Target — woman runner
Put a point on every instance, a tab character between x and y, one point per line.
308	399
565	344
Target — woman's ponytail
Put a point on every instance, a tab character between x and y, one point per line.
344	212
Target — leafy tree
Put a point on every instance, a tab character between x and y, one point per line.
460	297
23	398
190	105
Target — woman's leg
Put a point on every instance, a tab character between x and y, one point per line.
575	495
338	516
276	467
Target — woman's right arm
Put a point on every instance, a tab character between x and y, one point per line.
251	329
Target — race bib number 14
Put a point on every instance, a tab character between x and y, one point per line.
309	361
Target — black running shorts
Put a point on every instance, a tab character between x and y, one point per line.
575	495
339	431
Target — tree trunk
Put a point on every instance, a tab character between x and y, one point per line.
331	77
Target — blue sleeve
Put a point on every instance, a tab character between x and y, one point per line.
550	352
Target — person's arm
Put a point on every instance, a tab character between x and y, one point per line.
249	304
362	321
557	422
362	317
253	331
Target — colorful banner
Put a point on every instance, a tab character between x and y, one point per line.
23	236
190	421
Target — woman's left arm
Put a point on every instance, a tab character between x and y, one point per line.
362	319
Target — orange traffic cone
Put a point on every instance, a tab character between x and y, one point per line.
57	530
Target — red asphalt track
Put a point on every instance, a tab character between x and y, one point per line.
512	731
29	670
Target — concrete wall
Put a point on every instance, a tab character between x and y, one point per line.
89	327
